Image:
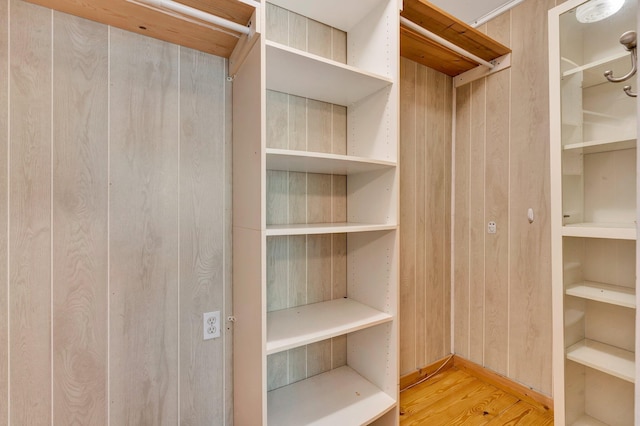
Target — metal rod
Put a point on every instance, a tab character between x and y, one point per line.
428	34
197	14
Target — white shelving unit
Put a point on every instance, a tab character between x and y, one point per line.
594	213
279	314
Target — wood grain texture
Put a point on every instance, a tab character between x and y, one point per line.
530	323
80	207
497	209
30	214
408	119
477	234
448	192
4	211
461	225
202	229
144	237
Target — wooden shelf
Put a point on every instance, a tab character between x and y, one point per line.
311	76
426	52
315	162
616	231
588	421
326	228
303	325
593	72
605	145
605	293
153	23
608	359
338	397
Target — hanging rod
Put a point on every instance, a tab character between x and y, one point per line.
191	12
428	34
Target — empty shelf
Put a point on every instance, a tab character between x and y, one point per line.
593	72
326	228
303	325
338	397
586	420
310	76
606	293
608	359
592	147
315	162
617	231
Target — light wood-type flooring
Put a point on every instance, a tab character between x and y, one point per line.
455	397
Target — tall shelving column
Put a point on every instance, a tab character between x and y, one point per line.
315	111
594	208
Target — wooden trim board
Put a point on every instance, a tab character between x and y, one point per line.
524	393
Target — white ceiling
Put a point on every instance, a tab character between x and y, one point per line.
470	10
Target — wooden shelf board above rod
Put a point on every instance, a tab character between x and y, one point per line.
431	54
146	21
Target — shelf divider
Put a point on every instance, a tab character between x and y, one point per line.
605	293
326	228
616	231
337	397
316	162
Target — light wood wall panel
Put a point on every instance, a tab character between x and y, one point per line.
502	281
425	158
203	100
4	199
80	258
30	215
118	225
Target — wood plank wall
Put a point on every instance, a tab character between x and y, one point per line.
114	207
502	282
425	215
313	268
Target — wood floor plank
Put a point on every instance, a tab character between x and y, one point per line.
457	396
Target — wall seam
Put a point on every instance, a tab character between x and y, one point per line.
509	210
179	137
8	211
108	378
51	188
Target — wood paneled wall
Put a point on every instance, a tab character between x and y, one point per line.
502	281
114	208
425	215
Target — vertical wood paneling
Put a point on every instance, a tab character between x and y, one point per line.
461	225
30	214
408	119
477	220
530	273
202	228
4	200
497	208
80	209
448	191
144	231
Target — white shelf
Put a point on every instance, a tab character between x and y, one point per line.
593	72
608	359
586	420
303	325
335	13
315	162
592	147
326	228
311	76
338	397
617	231
605	293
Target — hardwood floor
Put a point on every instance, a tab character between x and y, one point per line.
455	397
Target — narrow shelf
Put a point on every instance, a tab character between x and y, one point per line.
605	293
326	228
303	74
303	325
616	231
593	72
586	420
337	397
608	359
315	162
605	145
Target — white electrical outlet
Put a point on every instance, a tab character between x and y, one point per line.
211	325
491	227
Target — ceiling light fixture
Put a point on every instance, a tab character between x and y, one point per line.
597	10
